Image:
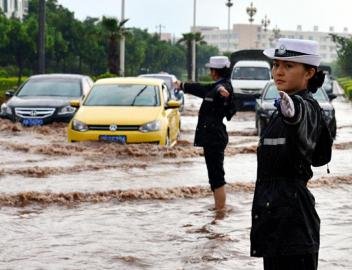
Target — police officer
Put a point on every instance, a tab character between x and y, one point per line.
285	224
211	133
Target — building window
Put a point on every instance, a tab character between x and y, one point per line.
16	5
5	6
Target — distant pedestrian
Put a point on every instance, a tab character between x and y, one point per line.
285	224
211	132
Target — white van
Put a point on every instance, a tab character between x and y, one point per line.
248	78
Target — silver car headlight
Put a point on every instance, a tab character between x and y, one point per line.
5	109
151	126
79	126
67	110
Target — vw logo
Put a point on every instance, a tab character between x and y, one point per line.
113	127
33	113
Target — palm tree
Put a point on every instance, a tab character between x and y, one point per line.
187	39
115	30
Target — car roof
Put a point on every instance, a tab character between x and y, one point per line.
166	75
130	80
58	76
252	63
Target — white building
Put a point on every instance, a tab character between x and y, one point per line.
16	8
253	36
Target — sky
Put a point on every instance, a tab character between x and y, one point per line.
176	16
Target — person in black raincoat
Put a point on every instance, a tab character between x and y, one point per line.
285	224
211	132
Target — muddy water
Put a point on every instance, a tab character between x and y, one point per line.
107	206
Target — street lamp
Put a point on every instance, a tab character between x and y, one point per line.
229	4
158	28
122	42
251	11
41	38
265	23
276	32
194	42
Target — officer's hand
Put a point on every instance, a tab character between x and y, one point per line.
223	92
177	84
286	105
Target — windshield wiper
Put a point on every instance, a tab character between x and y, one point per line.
138	94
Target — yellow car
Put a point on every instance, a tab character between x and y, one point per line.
127	110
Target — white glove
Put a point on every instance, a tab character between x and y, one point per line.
286	105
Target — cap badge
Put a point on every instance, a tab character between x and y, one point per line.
281	50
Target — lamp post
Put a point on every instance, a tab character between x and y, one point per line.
229	4
194	42
41	38
265	23
275	36
251	11
122	42
276	32
158	28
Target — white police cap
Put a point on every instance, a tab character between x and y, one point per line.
295	50
218	62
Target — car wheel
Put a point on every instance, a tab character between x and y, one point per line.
167	139
179	131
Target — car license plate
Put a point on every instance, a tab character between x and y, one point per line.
32	122
111	138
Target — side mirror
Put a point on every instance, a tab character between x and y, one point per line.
332	96
75	103
172	104
257	95
9	93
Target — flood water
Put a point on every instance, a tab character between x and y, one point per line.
107	206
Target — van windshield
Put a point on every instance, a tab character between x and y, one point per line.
250	73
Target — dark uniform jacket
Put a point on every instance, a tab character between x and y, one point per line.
210	128
284	220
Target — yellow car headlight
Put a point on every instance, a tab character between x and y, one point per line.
79	126
151	126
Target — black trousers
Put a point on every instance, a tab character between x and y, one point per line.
297	262
214	158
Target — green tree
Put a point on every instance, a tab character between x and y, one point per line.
187	40
203	54
115	30
344	53
19	45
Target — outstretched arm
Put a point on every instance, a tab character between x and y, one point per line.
196	89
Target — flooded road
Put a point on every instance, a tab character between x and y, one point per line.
107	206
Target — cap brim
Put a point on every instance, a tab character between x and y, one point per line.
313	60
209	65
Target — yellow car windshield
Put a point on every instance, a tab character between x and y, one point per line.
123	95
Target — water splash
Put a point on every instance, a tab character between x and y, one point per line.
72	198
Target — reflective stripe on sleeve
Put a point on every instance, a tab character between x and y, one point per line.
276	141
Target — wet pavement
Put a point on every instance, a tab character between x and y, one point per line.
107	206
